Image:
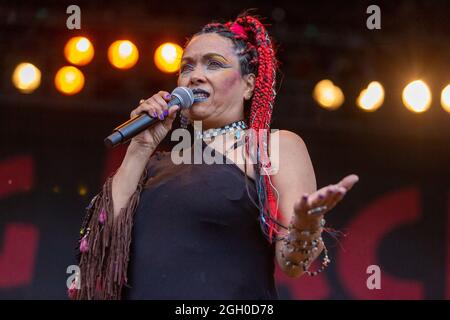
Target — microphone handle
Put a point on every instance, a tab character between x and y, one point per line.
134	126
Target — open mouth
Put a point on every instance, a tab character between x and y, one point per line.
200	95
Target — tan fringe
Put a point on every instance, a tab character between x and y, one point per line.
103	268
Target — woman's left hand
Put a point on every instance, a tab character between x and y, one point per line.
309	209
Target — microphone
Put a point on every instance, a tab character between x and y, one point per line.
182	96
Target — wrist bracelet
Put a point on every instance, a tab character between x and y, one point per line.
300	241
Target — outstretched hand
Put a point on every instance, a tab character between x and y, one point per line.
310	208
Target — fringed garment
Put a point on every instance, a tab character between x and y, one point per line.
190	231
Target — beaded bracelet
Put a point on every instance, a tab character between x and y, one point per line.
293	240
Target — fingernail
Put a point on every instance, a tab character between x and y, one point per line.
166	113
155	114
321	196
161	116
167	96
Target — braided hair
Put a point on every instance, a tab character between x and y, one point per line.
255	52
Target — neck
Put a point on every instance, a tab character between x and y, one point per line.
224	141
220	135
222	120
206	125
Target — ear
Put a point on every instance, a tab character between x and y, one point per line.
249	80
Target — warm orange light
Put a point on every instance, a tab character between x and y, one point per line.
79	51
168	57
328	95
445	98
371	98
69	80
123	54
26	77
82	190
417	96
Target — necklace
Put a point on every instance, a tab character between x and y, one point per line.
235	127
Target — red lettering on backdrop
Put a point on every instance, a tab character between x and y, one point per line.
16	175
114	159
365	233
305	287
18	255
20	241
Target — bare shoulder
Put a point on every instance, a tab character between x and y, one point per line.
287	145
292	163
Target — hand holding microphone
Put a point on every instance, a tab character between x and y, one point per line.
156	107
152	119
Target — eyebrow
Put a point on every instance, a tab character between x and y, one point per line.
207	55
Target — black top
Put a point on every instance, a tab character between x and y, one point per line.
196	235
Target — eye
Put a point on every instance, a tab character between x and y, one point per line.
185	67
215	63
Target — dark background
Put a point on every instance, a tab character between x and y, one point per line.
397	216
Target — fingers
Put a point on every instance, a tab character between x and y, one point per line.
155	106
163	108
172	112
302	204
336	194
328	196
332	194
349	181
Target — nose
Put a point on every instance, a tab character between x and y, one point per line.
196	76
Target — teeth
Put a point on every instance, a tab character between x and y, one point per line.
201	95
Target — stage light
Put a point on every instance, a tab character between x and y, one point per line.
26	77
445	98
79	51
417	96
69	80
82	190
168	57
328	95
371	98
123	54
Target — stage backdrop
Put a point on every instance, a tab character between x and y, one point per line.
396	217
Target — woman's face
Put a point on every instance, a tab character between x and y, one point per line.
209	63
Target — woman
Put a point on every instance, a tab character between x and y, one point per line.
159	230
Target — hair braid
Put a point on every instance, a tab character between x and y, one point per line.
261	113
256	55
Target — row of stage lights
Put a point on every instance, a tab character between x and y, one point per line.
123	54
416	96
79	51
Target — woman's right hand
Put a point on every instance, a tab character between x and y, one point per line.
155	106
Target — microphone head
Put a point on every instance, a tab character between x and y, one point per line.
185	97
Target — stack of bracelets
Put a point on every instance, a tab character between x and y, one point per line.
304	243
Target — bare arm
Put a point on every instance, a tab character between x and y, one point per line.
105	236
295	176
127	177
296	184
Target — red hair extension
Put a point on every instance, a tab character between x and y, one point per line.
263	98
